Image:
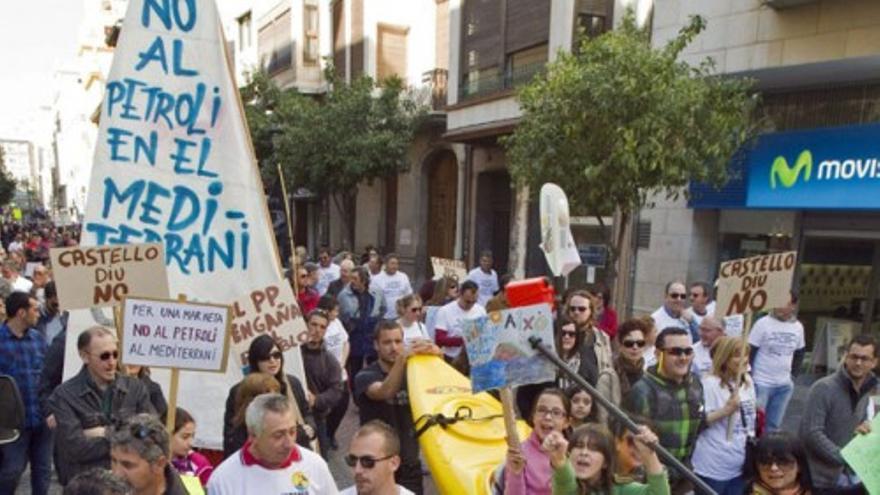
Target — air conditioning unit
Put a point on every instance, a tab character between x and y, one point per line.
787	4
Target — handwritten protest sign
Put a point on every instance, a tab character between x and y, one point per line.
95	277
273	311
448	268
173	334
174	164
499	351
752	285
862	454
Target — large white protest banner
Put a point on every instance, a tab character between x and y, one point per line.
174	164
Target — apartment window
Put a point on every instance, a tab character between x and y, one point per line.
310	34
275	45
391	51
522	65
481	47
244	31
592	18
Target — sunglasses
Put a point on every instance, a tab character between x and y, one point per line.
679	351
569	333
634	343
415	310
579	309
105	356
367	461
678	295
274	355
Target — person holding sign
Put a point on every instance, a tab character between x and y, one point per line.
271	462
777	351
97	398
449	329
718	459
837	410
380	391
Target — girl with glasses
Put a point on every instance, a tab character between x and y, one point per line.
590	463
717	459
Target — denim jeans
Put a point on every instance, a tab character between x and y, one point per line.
34	446
735	486
774	400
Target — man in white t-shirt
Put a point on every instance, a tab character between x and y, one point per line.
701	301
270	463
374	456
485	278
327	271
12	273
673	313
449	330
393	284
710	329
777	351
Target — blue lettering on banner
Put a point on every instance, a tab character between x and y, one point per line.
170	130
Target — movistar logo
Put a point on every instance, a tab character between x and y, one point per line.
789	175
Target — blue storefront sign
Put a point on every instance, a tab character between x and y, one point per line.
831	168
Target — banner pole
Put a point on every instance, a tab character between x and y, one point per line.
621	416
293	263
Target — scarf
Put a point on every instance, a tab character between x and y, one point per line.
628	372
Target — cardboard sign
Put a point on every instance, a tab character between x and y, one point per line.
95	277
273	311
174	334
862	454
448	268
499	351
752	285
174	164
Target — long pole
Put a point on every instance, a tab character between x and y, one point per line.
293	267
621	416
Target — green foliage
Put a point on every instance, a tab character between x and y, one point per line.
354	133
618	121
7	183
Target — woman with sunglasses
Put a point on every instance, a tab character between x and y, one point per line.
409	307
568	347
595	348
527	469
587	464
719	459
265	356
779	466
629	365
445	291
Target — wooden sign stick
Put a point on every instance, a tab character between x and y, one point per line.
747	326
507	406
171	417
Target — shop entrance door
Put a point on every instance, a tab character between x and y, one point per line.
838	292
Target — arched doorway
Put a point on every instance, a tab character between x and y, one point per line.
442	198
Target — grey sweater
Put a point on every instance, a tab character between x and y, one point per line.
833	411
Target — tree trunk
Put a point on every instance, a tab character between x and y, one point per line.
622	263
345	204
518	231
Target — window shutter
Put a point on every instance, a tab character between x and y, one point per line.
391	48
528	23
481	32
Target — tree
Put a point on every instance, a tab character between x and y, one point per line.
7	183
357	132
617	121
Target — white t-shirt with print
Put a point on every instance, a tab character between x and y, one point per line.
393	287
452	318
776	342
714	457
326	276
309	476
662	320
487	283
702	363
334	340
415	331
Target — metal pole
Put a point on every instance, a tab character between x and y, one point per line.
621	416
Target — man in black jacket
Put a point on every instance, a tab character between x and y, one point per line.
88	405
323	376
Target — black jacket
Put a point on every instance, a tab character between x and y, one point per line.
234	436
324	379
76	404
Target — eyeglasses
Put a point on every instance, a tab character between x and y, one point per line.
631	344
859	359
105	356
779	463
554	413
569	333
275	355
579	309
367	461
141	431
679	351
678	295
415	310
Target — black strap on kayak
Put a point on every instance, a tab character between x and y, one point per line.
463	413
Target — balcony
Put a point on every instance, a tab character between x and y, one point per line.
435	81
490	82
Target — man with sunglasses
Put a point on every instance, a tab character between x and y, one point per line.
839	407
270	462
22	355
673	313
89	404
670	397
374	456
139	455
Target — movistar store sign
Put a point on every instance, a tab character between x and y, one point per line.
834	168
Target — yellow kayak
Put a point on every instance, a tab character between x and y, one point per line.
463	455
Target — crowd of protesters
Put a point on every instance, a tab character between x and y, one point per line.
715	402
